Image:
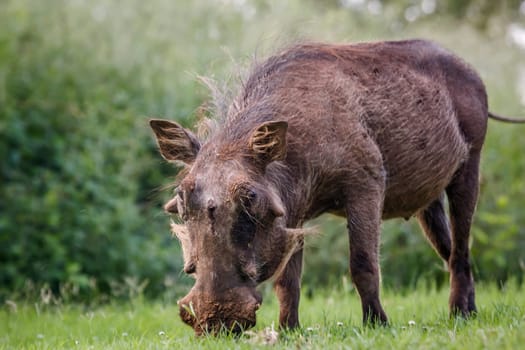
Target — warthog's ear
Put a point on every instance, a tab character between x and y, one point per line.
268	141
175	142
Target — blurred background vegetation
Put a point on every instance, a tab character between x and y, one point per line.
81	183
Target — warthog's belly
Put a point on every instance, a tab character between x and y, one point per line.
420	168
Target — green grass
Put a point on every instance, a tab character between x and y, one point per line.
330	319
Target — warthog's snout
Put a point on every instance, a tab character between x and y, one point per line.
232	312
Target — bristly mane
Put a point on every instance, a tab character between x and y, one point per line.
234	111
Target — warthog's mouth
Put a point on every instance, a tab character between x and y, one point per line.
212	322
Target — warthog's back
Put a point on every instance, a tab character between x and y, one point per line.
350	108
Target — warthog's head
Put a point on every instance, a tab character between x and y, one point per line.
233	234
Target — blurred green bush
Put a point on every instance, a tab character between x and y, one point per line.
81	183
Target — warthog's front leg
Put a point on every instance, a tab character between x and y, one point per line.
364	221
288	289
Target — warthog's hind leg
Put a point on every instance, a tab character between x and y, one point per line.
435	223
462	194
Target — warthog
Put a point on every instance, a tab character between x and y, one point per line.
369	131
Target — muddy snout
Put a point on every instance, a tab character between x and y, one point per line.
209	314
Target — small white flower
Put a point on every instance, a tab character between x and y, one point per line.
124	334
162	333
267	336
40	336
411	323
340	324
77	342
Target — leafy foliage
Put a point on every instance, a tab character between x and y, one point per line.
78	163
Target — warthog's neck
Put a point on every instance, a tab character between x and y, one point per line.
301	189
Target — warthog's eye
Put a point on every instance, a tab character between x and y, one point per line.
248	198
251	195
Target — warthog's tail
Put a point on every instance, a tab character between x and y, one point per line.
506	119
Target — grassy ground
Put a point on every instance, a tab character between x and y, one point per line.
330	319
